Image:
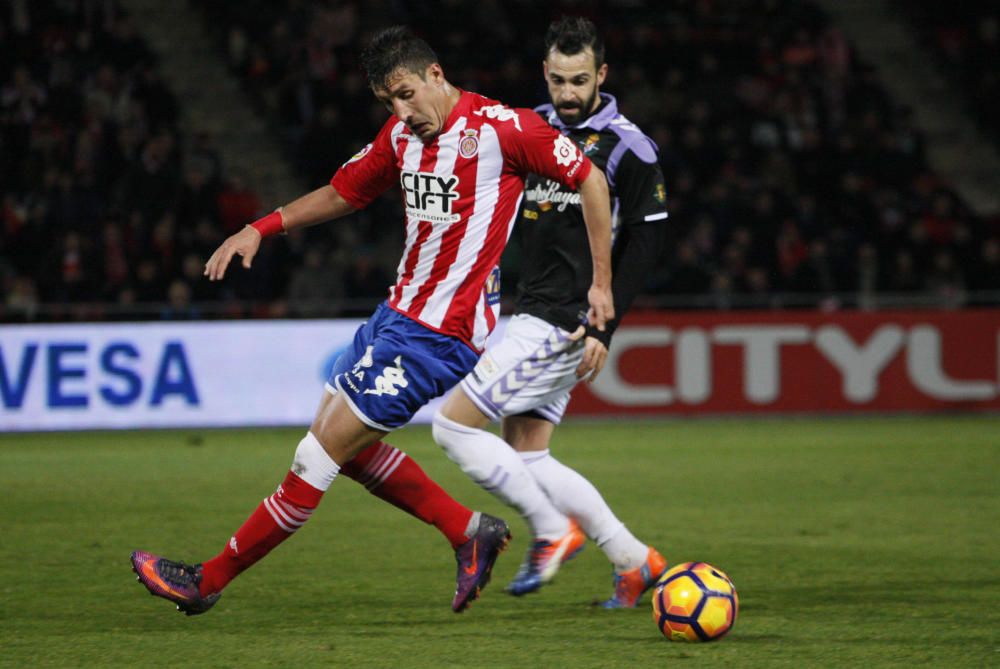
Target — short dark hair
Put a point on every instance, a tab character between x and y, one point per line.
572	34
394	48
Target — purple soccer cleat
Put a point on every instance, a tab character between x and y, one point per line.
171	580
475	560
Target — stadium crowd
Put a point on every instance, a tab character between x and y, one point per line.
792	177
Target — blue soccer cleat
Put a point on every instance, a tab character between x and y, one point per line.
544	559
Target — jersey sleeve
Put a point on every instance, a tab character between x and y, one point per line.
370	171
641	191
538	148
635	255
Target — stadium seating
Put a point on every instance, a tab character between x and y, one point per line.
793	178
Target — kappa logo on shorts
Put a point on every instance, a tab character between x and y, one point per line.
358	371
391	379
365	361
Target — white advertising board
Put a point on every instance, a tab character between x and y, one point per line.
141	375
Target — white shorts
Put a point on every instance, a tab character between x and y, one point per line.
532	369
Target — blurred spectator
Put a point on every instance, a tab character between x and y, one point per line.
314	282
238	204
365	279
816	274
903	278
945	281
179	306
21	298
987	268
150	285
868	280
689	276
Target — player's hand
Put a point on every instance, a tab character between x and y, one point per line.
244	243
595	353
602	306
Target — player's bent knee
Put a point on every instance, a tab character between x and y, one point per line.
448	433
460	409
342	434
459	443
313	464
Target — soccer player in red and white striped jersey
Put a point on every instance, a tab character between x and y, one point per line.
460	160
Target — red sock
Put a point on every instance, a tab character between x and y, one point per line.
276	519
392	475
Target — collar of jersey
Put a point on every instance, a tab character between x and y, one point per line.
606	113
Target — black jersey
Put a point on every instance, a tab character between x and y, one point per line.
556	269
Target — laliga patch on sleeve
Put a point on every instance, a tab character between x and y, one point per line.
492	287
359	155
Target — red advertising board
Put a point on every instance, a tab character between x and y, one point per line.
790	362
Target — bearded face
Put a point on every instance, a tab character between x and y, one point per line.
574	84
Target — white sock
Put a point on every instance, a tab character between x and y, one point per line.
577	497
494	465
313	464
625	551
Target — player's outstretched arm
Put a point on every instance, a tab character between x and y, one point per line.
322	204
596	205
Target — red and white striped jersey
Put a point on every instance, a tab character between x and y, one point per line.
461	194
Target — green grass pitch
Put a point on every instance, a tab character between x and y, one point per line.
853	543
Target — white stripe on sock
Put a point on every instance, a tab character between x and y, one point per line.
384	450
395	465
387	467
294	513
277	518
282	511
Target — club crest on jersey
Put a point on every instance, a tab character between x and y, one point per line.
500	113
660	194
360	154
589	145
468	146
429	197
565	150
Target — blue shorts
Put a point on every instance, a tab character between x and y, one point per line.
395	365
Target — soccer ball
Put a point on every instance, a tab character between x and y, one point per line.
695	601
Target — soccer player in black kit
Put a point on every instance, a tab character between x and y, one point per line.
525	380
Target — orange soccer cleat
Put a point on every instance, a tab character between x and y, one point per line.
629	585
